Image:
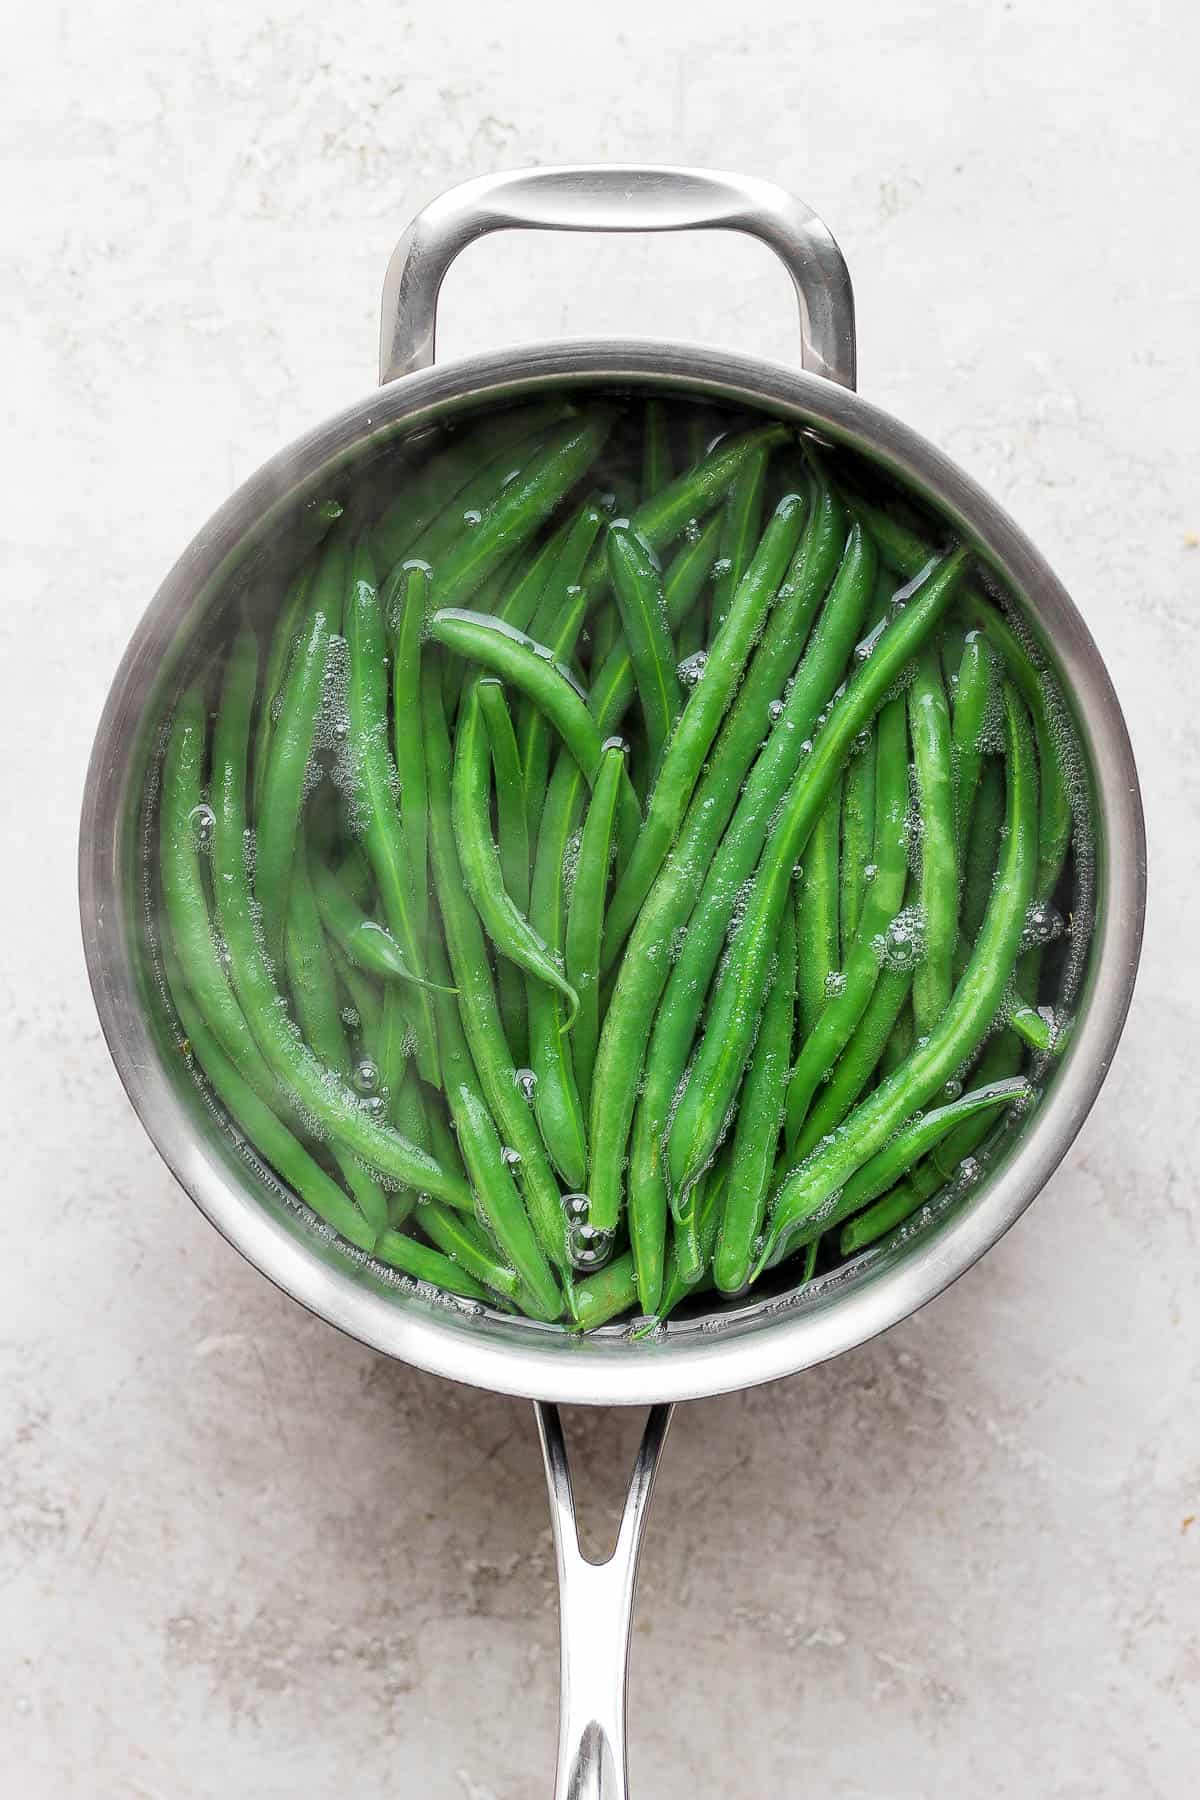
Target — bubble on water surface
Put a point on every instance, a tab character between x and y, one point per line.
202	822
526	1081
692	668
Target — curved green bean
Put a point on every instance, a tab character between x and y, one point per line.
479	859
881	1171
858	830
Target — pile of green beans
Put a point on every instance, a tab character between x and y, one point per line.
622	859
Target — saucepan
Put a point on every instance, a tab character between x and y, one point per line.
729	1346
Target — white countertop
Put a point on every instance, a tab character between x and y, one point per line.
242	1558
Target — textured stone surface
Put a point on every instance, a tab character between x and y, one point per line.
239	1555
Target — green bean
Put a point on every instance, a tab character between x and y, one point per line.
585	919
531	668
314	994
983	845
520	507
884	896
660	519
557	624
700	720
881	1171
898	1049
283	642
638	588
717	1066
512	832
370	776
605	1295
385	1036
556	1100
472	458
368	944
656	450
264	1129
741	527
410	596
856	1064
937	888
477	1006
282	795
759	1117
428	1266
645	967
479	860
971	1011
315	523
976	689
907	553
696	1239
816	894
555	1092
499	1202
554	621
858	830
184	821
459	1238
520	602
333	1107
725	870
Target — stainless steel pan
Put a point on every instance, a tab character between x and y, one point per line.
743	1344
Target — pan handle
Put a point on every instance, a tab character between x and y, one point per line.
618	197
595	1610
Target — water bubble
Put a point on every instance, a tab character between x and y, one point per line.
861	742
722	566
576	1207
953	1088
509	1157
692	668
775	711
835	984
587	1246
870	872
472	516
903	943
202	822
350	1018
527	1082
366	1076
1042	925
806	747
797	871
692	531
969	1171
615	743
